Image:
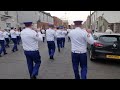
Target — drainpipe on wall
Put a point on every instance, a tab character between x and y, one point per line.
103	29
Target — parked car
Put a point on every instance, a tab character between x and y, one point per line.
106	46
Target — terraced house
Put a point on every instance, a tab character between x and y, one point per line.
8	19
100	20
41	18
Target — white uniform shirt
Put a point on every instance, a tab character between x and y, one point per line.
50	34
109	31
68	30
43	35
64	33
79	40
2	35
30	39
6	34
13	34
18	33
59	33
43	31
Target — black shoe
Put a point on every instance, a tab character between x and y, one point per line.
0	56
58	50
17	50
33	77
13	51
5	53
51	57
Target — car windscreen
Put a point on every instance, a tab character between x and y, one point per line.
109	38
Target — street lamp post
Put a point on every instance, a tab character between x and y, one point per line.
90	20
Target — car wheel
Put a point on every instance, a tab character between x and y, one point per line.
91	56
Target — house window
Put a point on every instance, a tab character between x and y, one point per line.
6	12
8	25
3	19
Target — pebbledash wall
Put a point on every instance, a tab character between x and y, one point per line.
101	19
8	19
17	18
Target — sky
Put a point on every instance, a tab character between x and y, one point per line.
70	15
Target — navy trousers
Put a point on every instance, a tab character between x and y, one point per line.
33	57
7	42
15	44
51	48
59	43
62	42
18	40
68	39
43	39
79	59
2	49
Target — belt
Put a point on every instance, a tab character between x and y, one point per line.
30	50
78	52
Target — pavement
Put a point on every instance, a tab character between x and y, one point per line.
14	65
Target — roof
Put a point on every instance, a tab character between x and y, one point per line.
46	13
109	16
112	20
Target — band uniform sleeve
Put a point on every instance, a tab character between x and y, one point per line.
65	32
8	33
69	34
38	36
56	34
89	38
14	32
3	35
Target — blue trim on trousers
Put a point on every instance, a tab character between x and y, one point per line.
7	42
2	49
59	43
62	42
18	40
51	47
79	59
15	44
33	57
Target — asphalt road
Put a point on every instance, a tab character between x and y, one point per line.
14	66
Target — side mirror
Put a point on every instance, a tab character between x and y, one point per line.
95	37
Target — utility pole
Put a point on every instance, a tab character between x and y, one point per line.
90	20
102	22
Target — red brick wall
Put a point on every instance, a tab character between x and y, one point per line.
57	21
43	25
